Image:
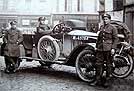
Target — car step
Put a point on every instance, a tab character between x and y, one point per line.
60	61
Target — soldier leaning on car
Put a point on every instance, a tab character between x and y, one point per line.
106	44
12	38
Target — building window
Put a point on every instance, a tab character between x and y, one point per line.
12	4
42	0
117	5
78	8
28	4
1	4
66	5
28	0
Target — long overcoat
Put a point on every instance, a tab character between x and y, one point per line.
12	38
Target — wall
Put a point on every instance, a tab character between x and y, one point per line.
128	2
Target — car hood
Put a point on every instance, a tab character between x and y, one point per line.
75	23
82	33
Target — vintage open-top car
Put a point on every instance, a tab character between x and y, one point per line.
61	45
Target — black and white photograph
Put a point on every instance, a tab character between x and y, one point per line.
66	45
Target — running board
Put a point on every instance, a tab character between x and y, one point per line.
61	59
37	59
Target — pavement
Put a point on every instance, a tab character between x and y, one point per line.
32	77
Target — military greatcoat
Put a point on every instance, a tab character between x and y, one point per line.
12	39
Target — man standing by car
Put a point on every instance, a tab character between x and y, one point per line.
12	38
106	44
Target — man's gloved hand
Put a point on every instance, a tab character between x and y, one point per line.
112	51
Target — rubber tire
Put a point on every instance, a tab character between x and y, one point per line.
56	47
81	75
129	71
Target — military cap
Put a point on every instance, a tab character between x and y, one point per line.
41	18
106	15
13	22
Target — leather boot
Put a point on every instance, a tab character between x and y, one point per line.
99	72
7	69
107	83
96	83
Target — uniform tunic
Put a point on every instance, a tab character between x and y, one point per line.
107	38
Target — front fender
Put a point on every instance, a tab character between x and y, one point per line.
73	55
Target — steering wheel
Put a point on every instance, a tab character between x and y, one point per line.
58	28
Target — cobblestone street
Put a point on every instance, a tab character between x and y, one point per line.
32	77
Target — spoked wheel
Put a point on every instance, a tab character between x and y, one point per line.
48	49
123	66
85	66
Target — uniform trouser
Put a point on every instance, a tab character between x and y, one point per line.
10	60
101	57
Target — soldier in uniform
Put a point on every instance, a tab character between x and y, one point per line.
42	27
106	44
12	38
